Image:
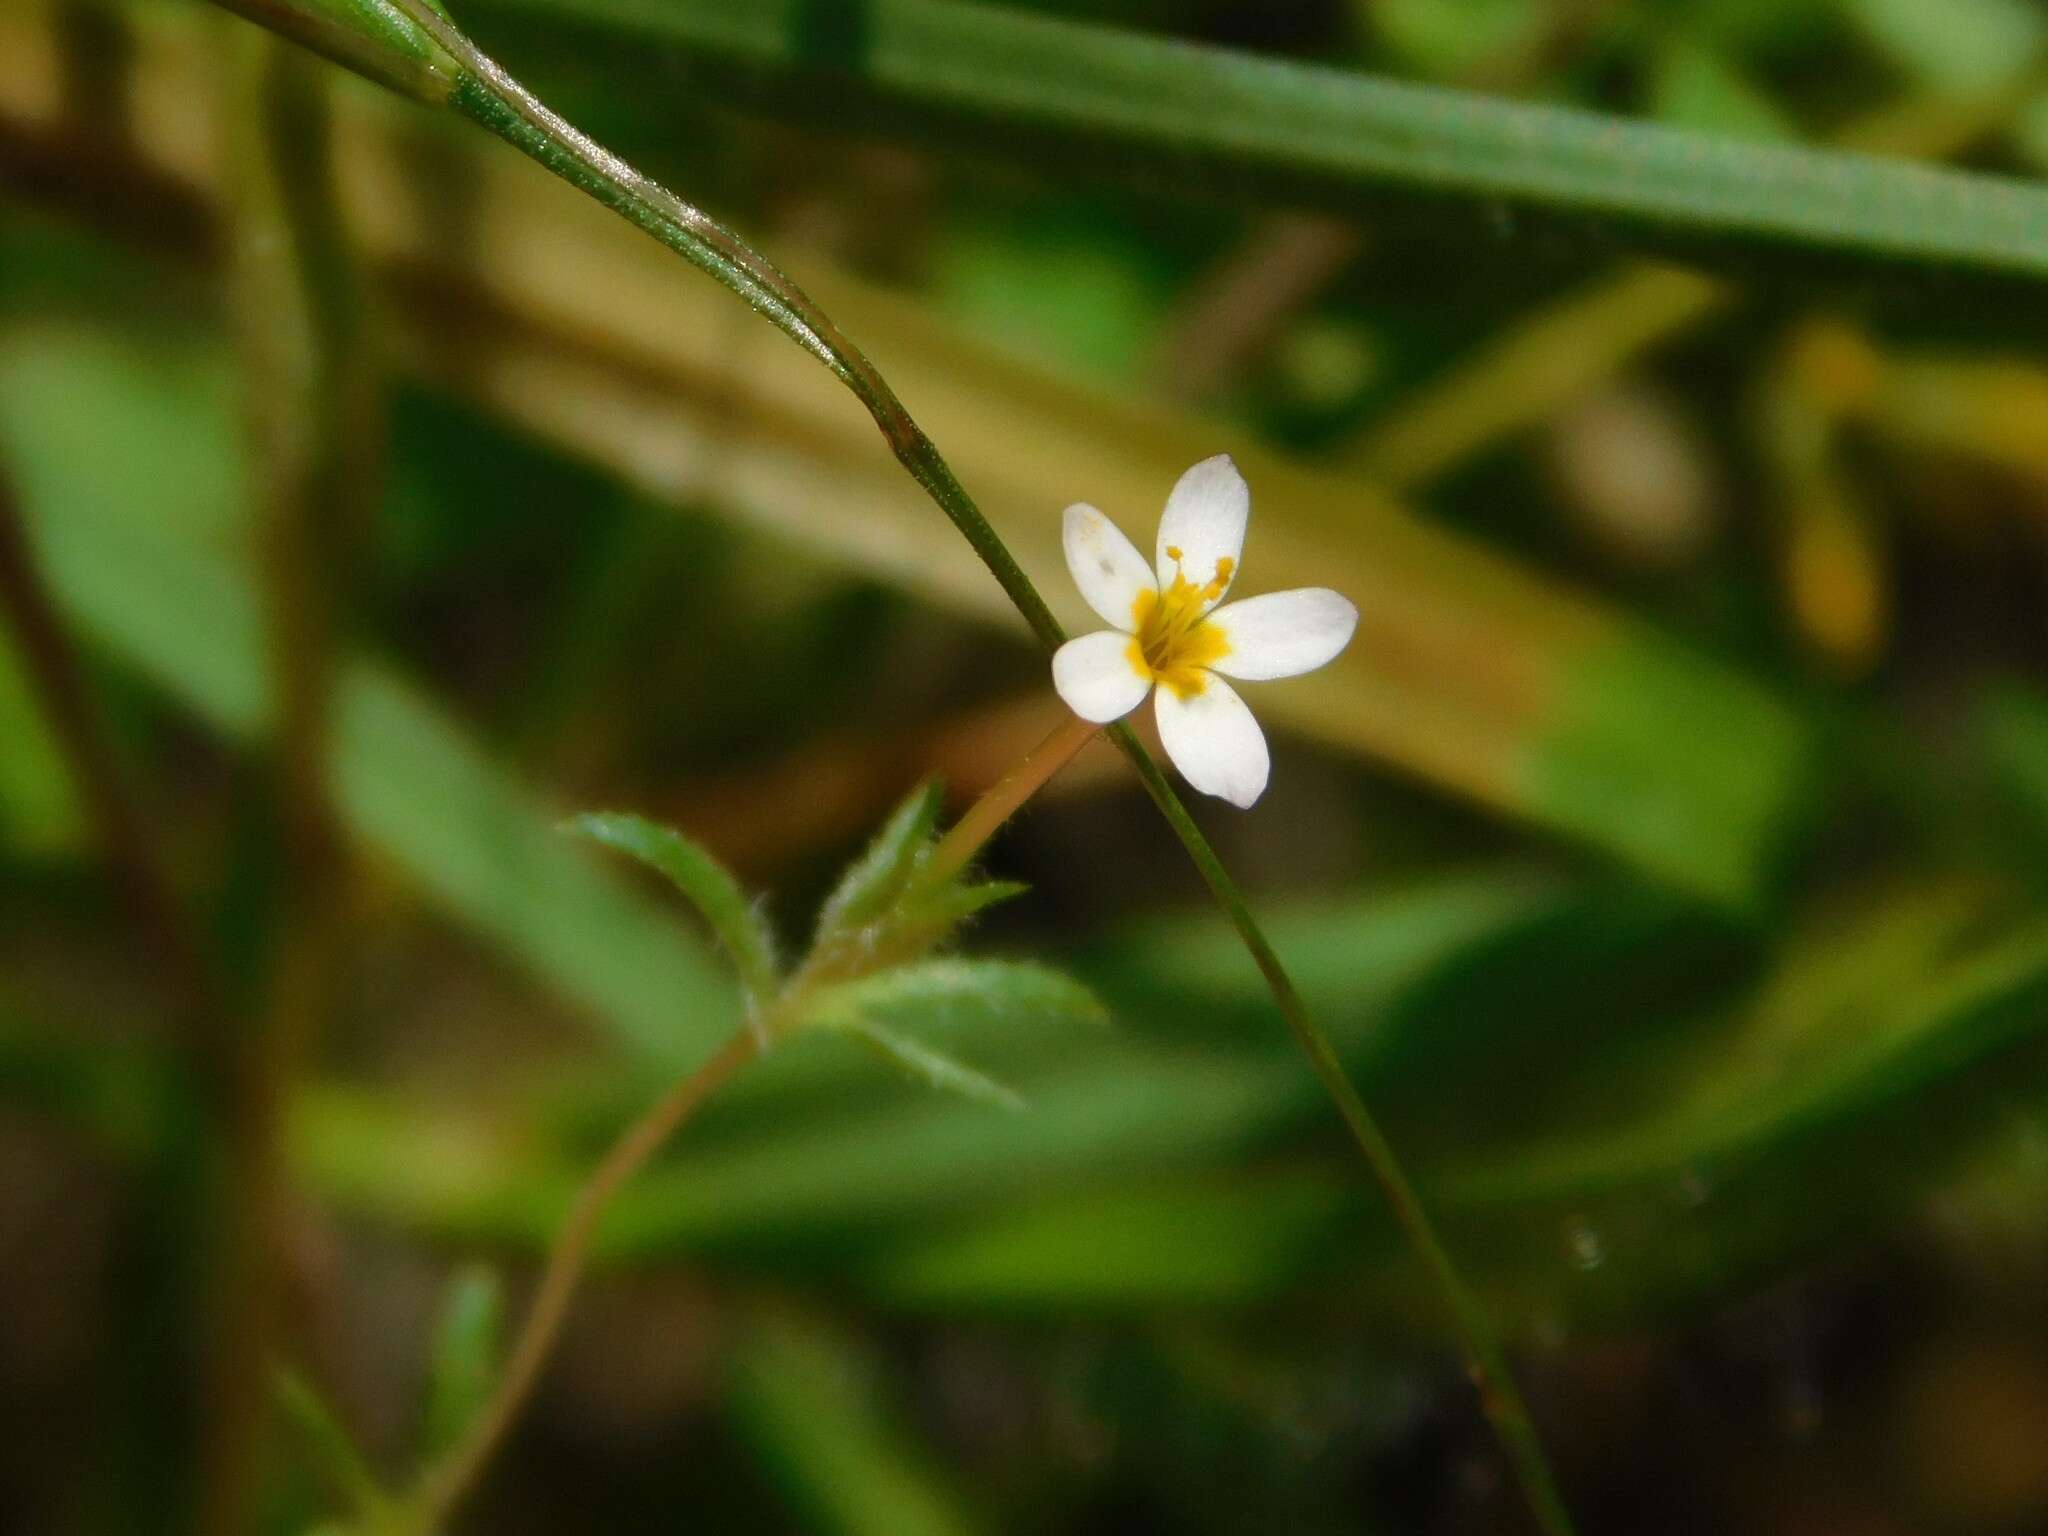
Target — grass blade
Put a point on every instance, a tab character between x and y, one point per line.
463	1363
1342	135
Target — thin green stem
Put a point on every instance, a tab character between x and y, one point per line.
1499	1397
446	1482
485	93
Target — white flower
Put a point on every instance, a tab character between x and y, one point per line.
1170	631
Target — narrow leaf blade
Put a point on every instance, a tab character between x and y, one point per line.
464	1361
952	993
917	927
705	882
875	879
935	1068
332	1450
956	903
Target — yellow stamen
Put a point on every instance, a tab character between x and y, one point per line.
1173	642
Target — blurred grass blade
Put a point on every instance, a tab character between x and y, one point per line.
1341	134
369	36
1695	87
1206	1241
1956	46
1675	1139
1548	359
40	816
1470	672
2012	726
739	924
127	470
463	1361
332	1450
800	1153
812	1403
1858	1022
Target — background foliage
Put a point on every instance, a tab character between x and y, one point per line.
1663	855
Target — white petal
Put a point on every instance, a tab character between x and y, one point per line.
1282	634
1214	741
1204	519
1106	566
1097	678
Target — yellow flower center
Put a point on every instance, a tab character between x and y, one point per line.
1174	644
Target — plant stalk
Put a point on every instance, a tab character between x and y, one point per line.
447	1482
486	94
1499	1398
1002	799
451	1478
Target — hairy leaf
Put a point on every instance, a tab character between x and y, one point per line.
707	885
958	902
948	994
944	994
935	1069
875	879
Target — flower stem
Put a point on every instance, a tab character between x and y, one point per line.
489	96
448	1481
987	815
1499	1398
451	1478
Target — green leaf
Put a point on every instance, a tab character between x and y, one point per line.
1634	750
127	461
464	1359
1211	1240
1140	99
332	1449
812	1153
369	36
875	879
39	811
372	37
705	883
811	1402
1447	39
1958	45
924	924
955	903
951	994
1696	87
933	1068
